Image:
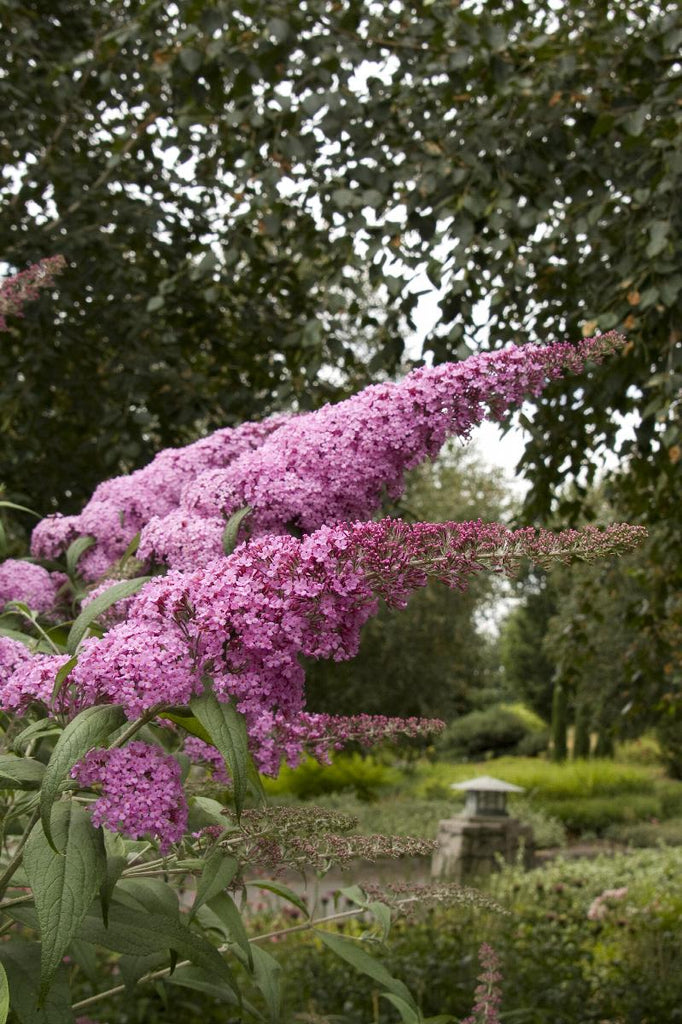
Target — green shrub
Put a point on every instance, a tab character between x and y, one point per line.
558	964
595	814
648	833
496	730
363	776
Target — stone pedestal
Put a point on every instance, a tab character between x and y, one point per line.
471	846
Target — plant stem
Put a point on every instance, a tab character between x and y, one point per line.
137	725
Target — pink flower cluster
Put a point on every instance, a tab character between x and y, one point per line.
30	583
246	620
121	507
142	791
24	287
321	468
26	677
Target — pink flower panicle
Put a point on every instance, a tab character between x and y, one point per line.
314	734
320	468
17	290
35	586
488	995
142	792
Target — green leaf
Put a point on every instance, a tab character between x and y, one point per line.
136	934
61	677
231	530
191	61
407	1014
4	995
89	729
219	870
116	861
198	980
227	730
225	909
658	232
64	886
188	722
283	891
267	972
16	634
119	591
74	551
45	727
20	772
20	508
20	960
350	951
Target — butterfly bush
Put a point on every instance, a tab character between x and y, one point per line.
239	624
319	468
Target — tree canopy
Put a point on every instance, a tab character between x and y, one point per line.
245	190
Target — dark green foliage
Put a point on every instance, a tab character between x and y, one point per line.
559	723
557	964
528	667
496	731
581	733
669	735
538	156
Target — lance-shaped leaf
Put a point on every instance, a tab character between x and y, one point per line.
4	995
281	890
19	959
219	870
231	531
64	885
137	934
353	954
92	611
89	729
267	972
227	729
20	772
61	677
192	725
115	863
75	550
224	907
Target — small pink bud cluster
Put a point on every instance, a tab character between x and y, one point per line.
17	290
488	995
599	907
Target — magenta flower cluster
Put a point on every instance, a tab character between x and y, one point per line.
325	467
141	794
17	290
30	583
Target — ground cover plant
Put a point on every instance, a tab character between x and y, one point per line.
154	639
585	941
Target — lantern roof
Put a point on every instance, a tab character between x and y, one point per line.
487	784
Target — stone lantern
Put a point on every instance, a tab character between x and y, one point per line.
474	842
486	797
